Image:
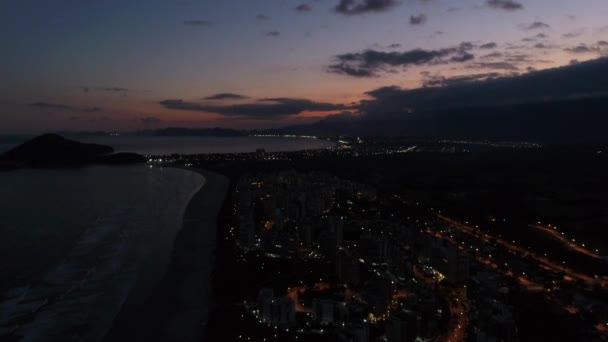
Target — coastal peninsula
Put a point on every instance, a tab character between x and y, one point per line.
55	151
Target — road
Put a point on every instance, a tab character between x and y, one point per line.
542	260
569	243
458	306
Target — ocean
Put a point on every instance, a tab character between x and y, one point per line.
74	242
152	145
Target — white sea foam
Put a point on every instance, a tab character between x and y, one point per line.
80	295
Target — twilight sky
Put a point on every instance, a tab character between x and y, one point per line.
124	65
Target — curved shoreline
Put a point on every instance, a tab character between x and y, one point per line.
179	306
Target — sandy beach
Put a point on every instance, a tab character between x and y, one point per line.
180	304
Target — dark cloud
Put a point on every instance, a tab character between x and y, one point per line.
394	46
573	34
117	90
516	47
544	46
226	96
355	7
507	5
385	92
441	81
342	117
523	59
584	48
262	109
465	46
465	57
535	38
46	105
303	8
490	45
418	19
262	17
354	71
537	25
370	62
492	55
517	57
273	34
150	120
495	65
568	82
56	106
198	22
182	105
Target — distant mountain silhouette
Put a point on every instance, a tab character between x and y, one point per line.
560	121
561	105
52	150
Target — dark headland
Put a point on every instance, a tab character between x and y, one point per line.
55	151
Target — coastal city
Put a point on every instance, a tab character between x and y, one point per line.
320	257
304	171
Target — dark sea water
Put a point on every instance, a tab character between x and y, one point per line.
190	145
74	242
